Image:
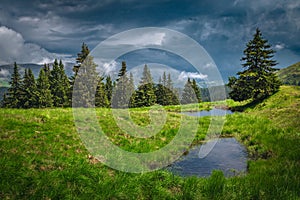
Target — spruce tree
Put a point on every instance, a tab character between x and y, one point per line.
30	93
13	98
47	70
4	101
122	71
171	93
65	85
121	94
81	57
101	96
160	94
86	83
164	79
144	95
59	85
197	90
109	88
43	89
188	94
79	60
258	80
131	90
164	91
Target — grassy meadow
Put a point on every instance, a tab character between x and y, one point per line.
43	157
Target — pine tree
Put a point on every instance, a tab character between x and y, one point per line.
81	57
43	89
86	83
122	71
4	101
258	80
109	88
13	98
101	96
164	91
59	85
144	95
164	79
121	94
171	93
131	90
79	60
169	82
30	93
197	90
47	70
188	94
65	85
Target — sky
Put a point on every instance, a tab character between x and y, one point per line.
39	31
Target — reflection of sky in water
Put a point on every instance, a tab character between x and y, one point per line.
228	155
212	112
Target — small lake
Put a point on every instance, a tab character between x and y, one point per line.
228	155
212	112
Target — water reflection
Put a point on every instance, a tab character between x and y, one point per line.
228	155
212	112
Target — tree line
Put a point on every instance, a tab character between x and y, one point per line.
53	88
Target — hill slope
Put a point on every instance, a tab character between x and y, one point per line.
290	75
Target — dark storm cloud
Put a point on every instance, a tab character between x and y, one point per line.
222	27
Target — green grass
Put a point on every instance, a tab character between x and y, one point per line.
42	156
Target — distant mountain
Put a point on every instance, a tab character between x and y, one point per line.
7	70
290	75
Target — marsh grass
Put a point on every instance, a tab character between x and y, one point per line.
43	157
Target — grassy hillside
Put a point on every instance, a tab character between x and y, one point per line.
290	75
42	156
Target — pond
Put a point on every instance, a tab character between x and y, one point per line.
212	112
228	155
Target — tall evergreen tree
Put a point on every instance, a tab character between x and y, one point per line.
122	71
86	83
43	90
59	85
81	57
144	95
164	79
101	96
197	90
66	88
131	90
109	88
30	93
169	82
4	101
47	70
13	98
258	80
79	60
188	94
164	91
121	94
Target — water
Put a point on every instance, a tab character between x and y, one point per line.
228	155
212	112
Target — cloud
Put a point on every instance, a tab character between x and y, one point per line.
15	49
279	47
140	39
221	27
107	67
193	75
4	73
